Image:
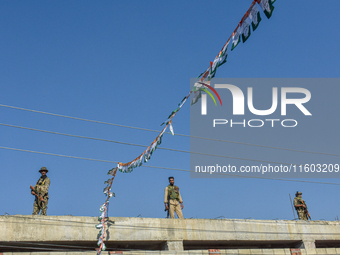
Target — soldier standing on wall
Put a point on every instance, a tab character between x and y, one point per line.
172	199
40	191
301	206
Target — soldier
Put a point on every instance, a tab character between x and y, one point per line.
173	198
300	206
40	191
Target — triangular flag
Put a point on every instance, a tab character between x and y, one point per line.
224	54
214	65
267	7
255	17
99	226
211	75
245	29
112	171
171	129
109	181
196	93
236	37
103	247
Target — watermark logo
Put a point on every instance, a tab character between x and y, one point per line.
238	100
294	96
266	127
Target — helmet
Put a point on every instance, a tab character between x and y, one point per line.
298	193
43	169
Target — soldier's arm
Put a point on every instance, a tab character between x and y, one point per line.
179	197
300	206
180	200
297	204
166	198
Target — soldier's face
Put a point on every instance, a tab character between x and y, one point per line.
172	181
43	173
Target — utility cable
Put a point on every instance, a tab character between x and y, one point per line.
176	169
144	146
189	152
157	131
59	155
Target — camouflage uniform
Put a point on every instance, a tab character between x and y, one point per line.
42	189
300	210
172	193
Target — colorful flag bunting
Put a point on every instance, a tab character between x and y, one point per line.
253	17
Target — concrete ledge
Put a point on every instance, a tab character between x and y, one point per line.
154	234
54	228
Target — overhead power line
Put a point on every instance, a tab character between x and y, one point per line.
145	146
59	155
76	118
157	131
173	169
198	153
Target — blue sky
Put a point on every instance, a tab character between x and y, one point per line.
130	63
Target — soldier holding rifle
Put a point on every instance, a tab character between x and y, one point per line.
40	191
301	207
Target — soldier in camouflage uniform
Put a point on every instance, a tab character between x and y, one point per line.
173	196
41	190
300	206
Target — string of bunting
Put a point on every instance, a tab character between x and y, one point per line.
251	18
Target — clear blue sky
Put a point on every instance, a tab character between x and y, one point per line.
130	63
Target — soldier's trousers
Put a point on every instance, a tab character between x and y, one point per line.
40	205
302	215
175	207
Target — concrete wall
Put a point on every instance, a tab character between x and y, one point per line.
231	236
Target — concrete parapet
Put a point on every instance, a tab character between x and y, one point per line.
159	236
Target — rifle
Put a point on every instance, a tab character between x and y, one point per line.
36	194
168	213
306	210
292	205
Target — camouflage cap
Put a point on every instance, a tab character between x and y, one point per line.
43	169
298	193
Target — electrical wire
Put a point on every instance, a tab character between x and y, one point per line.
145	146
157	131
59	155
77	118
177	169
